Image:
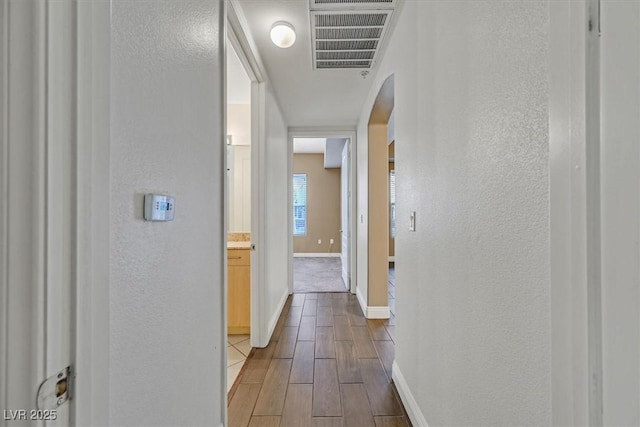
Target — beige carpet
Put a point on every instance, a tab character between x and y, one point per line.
318	275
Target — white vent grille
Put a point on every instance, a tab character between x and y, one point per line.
348	38
351	4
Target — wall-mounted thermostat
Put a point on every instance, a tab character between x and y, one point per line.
158	207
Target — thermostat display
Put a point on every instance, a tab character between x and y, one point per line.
158	207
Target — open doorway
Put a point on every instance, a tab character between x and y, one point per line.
238	211
378	298
321	199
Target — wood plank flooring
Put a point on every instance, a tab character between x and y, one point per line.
326	366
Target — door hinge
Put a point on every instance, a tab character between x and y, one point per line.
55	390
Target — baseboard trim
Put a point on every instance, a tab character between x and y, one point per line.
413	410
372	312
274	319
392	259
317	255
378	312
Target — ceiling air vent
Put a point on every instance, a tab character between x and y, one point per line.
347	36
351	4
348	33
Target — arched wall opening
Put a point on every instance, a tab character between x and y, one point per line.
378	195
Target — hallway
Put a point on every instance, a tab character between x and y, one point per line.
317	275
326	365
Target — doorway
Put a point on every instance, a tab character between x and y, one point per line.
321	205
238	214
379	295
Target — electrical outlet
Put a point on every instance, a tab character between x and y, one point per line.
319	241
331	241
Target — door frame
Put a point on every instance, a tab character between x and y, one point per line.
238	35
92	328
574	183
329	132
348	212
80	68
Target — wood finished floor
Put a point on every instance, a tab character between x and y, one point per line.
326	366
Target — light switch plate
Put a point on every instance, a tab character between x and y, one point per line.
158	207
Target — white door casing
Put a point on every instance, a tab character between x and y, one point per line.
39	197
344	211
619	163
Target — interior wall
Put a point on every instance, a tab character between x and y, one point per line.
239	167
392	166
378	216
361	212
167	296
323	205
239	123
471	110
620	174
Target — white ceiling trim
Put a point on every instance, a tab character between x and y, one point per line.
240	37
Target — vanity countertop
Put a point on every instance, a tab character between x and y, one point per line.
238	245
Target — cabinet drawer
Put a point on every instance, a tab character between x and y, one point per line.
238	257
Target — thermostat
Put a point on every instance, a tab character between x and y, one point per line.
158	207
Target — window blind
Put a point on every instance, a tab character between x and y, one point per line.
299	204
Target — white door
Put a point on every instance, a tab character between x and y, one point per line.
344	207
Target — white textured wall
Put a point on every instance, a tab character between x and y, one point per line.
620	173
166	293
471	156
362	205
239	123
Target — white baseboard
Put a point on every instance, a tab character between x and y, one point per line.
392	259
378	312
413	410
274	319
372	312
317	255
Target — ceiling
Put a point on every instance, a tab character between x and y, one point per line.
309	145
308	97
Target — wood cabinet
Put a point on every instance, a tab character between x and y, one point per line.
239	291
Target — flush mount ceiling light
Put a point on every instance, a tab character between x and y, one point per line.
283	34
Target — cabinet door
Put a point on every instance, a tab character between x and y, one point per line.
239	299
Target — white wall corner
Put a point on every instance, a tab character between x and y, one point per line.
275	317
361	299
372	312
317	255
411	405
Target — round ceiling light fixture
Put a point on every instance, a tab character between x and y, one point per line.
283	34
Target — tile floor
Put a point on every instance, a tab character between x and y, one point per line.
238	349
326	365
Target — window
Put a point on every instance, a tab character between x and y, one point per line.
299	204
392	202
